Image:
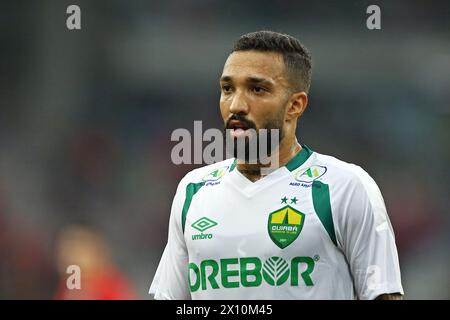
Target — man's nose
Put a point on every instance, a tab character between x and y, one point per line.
239	104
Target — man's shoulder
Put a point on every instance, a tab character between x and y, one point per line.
211	172
339	171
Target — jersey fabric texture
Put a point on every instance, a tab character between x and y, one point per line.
316	228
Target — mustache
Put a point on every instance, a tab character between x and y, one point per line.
238	117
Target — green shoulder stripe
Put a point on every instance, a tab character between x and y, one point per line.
191	190
233	165
322	205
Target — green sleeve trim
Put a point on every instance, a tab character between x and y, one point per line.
299	158
322	206
191	190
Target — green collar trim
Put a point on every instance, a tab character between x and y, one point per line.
299	159
294	163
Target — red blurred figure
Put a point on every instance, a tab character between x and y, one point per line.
100	279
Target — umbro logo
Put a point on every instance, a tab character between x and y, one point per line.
201	225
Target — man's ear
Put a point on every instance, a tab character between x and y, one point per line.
297	105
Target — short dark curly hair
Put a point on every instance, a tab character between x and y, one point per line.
296	56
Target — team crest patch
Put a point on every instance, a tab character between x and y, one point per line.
285	225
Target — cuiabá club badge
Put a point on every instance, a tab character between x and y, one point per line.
285	225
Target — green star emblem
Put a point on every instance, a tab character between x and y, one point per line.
294	200
284	200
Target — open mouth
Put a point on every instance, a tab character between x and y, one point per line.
238	129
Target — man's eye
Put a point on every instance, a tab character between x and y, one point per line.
259	89
226	88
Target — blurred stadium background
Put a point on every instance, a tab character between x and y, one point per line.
86	118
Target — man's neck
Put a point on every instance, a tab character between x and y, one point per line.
285	154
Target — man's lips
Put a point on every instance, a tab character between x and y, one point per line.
238	129
239	133
236	124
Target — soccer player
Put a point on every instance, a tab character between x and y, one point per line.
314	228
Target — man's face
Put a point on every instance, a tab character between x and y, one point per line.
254	93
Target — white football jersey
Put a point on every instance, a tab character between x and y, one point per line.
316	228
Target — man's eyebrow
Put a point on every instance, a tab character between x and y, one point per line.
256	80
253	80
